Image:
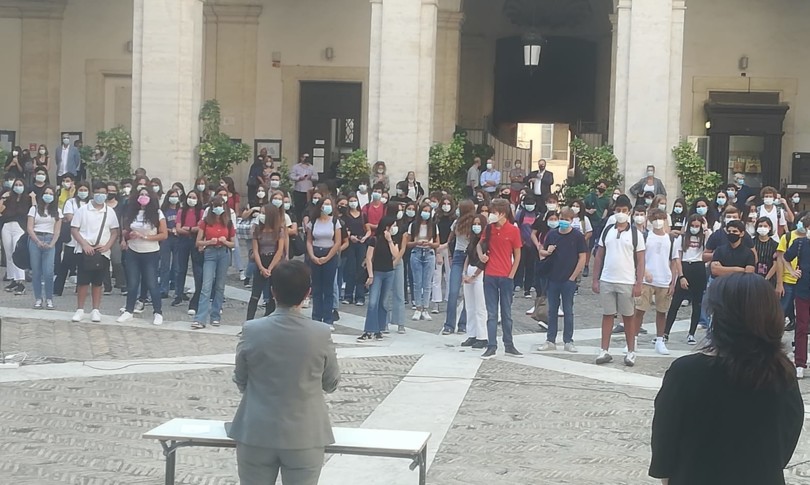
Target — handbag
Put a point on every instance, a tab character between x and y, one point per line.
95	261
21	256
297	246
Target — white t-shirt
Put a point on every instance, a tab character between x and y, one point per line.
362	199
694	252
71	206
777	217
43	224
660	251
576	223
144	228
619	266
88	220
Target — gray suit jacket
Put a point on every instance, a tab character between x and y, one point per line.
74	159
284	363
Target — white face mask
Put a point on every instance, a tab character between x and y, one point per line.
493	218
658	224
551	207
763	231
767	200
15	153
639	219
200	187
489	166
446	207
575	209
274	184
796	200
191	202
260	195
394	230
694	230
66	141
42	151
662	207
622	217
615	196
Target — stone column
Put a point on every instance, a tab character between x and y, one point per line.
167	87
647	87
448	66
40	70
403	66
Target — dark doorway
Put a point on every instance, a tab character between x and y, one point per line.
561	89
330	120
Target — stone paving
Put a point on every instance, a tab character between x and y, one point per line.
520	422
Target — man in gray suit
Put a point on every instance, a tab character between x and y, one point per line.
68	160
284	363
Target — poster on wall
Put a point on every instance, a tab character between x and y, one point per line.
273	148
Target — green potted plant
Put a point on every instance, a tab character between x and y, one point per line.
695	180
446	162
218	153
353	169
116	164
594	164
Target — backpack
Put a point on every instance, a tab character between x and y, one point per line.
634	233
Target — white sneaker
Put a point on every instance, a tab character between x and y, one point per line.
138	306
799	372
191	313
158	319
530	311
661	346
569	347
72	280
242	276
426	315
630	359
125	317
560	312
306	303
417	315
77	317
95	315
546	346
603	358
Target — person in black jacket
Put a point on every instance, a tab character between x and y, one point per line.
540	180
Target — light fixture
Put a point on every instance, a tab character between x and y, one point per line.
532	48
708	125
742	63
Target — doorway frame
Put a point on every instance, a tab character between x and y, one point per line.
291	78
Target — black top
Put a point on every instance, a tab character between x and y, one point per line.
355	225
472	254
567	248
739	257
443	224
765	255
709	431
382	260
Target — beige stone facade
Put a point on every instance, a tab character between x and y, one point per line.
424	66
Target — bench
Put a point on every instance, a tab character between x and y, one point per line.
180	433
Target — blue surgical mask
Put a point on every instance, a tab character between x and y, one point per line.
376	196
410	213
530	207
694	230
327	209
800	227
678	210
721	201
219	210
47	198
99	198
276	202
287	206
18	189
425	215
8	183
476	229
701	211
553	224
564	225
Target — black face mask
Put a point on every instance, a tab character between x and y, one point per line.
600	190
733	238
112	195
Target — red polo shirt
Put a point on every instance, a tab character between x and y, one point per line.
504	241
373	214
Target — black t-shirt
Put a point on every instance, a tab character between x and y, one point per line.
443	225
354	225
718	238
565	257
382	260
739	257
751	433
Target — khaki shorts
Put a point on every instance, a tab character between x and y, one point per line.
616	298
662	299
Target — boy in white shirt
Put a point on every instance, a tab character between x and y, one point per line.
659	278
775	213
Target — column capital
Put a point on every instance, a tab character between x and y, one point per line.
679	5
376	2
450	20
32	9
623	4
231	13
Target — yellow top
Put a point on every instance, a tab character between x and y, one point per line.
782	248
64	195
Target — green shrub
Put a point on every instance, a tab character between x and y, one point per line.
594	164
354	169
116	164
218	154
695	180
446	162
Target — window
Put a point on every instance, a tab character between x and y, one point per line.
547	142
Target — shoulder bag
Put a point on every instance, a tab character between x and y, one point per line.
95	261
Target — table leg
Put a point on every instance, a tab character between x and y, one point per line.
171	455
423	467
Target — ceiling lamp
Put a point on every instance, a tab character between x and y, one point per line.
532	47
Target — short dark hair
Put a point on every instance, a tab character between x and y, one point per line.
736	224
623	201
275	174
291	283
97	185
378	186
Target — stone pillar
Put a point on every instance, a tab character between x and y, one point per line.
167	88
401	85
647	87
40	71
448	65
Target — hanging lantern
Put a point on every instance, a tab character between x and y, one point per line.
532	47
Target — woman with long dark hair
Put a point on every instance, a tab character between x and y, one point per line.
691	274
423	241
143	229
445	216
44	223
170	247
702	207
410	215
678	217
215	237
353	276
737	397
269	246
69	257
323	243
188	218
14	163
461	234
14	207
381	257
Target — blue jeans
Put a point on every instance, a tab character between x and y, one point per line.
323	280
499	290
338	280
215	266
565	291
169	256
423	263
455	287
396	310
142	272
704	316
377	295
788	301
197	261
353	273
42	263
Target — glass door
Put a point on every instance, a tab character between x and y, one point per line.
745	154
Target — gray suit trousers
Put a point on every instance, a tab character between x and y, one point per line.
260	466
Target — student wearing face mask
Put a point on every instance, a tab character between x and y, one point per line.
353	256
678	216
70	259
461	234
527	214
43	159
256	176
473	280
411	210
701	207
303	176
379	175
490	178
170	247
382	256
423	241
690	275
765	248
541	228
68	159
374	211
324	239
245	227
14	163
412	189
44	223
794	206
188	218
95	228
772	209
14	207
40	181
215	238
269	245
445	216
733	257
